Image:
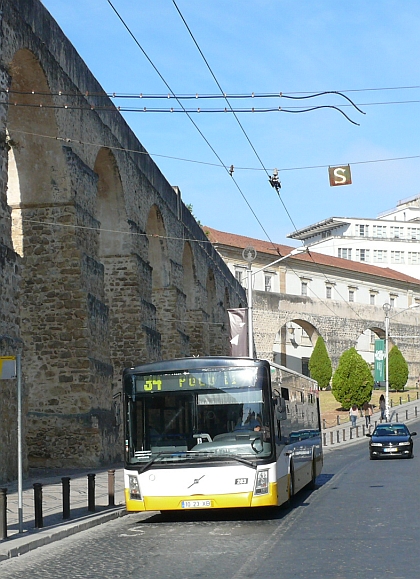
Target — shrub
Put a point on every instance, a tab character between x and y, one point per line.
320	364
352	381
398	369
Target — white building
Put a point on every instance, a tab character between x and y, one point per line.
311	294
392	240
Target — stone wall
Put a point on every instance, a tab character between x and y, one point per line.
340	330
95	272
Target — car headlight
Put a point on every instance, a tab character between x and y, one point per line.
376	444
404	444
134	487
261	484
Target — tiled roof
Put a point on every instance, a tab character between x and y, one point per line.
240	241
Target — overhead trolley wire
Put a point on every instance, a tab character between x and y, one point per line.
190	118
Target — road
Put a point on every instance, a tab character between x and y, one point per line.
363	521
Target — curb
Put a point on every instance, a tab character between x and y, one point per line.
22	545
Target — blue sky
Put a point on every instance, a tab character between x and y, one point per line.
268	46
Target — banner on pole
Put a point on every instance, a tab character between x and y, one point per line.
379	361
7	367
238	328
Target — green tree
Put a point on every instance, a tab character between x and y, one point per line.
398	369
352	382
320	364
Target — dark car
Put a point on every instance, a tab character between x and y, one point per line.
391	440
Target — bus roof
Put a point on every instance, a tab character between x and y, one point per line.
178	364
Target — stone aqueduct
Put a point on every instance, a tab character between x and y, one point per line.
102	266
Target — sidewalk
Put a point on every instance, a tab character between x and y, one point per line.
54	526
340	435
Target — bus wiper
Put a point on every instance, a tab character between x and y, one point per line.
155	458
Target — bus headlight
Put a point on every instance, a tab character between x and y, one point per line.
261	484
133	487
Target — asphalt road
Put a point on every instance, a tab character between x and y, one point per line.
363	521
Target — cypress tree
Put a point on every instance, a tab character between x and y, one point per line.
398	369
320	364
352	382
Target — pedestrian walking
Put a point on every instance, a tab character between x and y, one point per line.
382	406
354	412
367	411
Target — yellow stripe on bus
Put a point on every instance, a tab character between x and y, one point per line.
225	501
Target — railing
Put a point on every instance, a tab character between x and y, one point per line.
334	436
38	489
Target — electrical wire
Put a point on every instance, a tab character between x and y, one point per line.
237	168
192	121
252	95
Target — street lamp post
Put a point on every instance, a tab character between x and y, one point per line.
387	308
250	274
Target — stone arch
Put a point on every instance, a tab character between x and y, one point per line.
294	344
158	251
188	272
211	308
36	166
114	236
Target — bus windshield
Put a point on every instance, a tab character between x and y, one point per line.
200	414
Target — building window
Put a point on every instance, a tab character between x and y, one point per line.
267	283
392	300
413	233
362	255
239	275
413	257
344	252
379	231
372	299
397	257
380	255
304	288
328	290
325	234
397	232
351	295
362	230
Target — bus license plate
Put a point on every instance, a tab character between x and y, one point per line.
195	504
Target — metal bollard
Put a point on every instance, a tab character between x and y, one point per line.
406	414
111	488
400	400
363	430
391	403
325	438
39	522
344	435
3	514
338	436
351	433
91	492
357	432
338	420
415	411
396	417
65	481
331	438
324	424
408	397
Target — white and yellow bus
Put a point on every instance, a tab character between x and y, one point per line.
218	432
